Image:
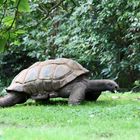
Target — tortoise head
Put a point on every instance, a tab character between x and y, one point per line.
111	86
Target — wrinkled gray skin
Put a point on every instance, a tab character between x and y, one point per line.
78	90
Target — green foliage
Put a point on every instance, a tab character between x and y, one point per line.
102	35
23	5
136	86
11	12
2	43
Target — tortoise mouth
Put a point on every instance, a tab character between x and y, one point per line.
115	90
112	91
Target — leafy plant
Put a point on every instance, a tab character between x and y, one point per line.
136	86
102	35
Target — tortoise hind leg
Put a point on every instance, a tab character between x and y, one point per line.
13	98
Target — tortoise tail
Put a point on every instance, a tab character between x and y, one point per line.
12	99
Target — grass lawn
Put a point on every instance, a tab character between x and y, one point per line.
112	117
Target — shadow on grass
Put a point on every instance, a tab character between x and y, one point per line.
105	103
64	102
51	102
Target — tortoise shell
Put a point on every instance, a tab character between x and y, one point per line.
47	76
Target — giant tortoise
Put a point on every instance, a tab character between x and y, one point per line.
60	77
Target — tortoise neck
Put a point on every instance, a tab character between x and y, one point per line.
96	85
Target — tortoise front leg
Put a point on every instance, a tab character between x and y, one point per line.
13	98
77	94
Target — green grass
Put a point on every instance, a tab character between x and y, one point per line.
112	117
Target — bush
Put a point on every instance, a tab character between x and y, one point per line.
102	35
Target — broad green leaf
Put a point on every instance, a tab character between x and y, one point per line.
20	31
8	20
17	42
23	6
2	44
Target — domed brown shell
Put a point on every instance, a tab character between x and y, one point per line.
47	76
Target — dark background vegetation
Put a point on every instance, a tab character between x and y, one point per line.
102	35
